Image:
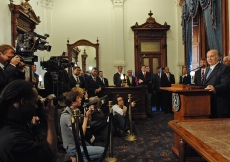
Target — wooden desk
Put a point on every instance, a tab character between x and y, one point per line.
209	137
136	92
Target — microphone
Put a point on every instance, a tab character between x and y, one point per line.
197	68
95	101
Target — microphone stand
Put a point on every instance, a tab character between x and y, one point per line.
131	136
111	158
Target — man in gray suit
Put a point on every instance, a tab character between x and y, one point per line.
217	80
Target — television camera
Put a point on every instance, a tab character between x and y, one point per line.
55	64
28	43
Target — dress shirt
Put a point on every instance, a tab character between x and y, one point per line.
1	65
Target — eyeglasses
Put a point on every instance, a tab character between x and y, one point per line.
120	100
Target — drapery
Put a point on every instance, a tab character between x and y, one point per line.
212	17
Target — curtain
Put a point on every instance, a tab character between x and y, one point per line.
212	17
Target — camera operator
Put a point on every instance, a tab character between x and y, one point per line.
8	62
18	143
99	125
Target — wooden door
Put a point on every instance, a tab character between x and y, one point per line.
151	60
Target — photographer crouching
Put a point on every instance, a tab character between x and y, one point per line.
18	104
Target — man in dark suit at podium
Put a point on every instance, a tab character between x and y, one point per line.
76	79
130	78
104	80
199	74
94	85
117	77
217	80
166	80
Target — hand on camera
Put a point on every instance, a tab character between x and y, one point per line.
15	60
87	113
49	109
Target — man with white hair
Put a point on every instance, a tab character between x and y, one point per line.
217	80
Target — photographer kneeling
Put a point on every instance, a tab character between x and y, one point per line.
73	101
18	103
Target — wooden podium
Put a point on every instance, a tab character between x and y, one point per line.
188	102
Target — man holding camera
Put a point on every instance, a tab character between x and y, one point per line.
18	142
8	62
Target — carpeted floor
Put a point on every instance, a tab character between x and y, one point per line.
154	143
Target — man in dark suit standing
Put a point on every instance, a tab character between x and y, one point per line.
94	85
104	80
166	80
8	64
199	74
217	80
76	79
185	78
144	78
157	88
130	78
117	77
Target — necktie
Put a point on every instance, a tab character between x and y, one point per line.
130	80
94	78
144	75
77	79
168	76
209	72
102	79
202	76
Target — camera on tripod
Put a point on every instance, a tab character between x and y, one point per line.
55	64
28	43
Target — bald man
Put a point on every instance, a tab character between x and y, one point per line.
217	80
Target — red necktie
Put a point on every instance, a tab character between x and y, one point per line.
202	76
144	75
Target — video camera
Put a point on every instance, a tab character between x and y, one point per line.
55	64
95	101
28	43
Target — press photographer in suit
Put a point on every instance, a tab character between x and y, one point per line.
217	80
8	62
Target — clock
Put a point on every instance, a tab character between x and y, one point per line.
176	101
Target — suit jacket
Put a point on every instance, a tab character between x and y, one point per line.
146	81
106	82
165	82
73	82
219	78
133	81
197	77
158	82
117	79
91	86
6	74
185	79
